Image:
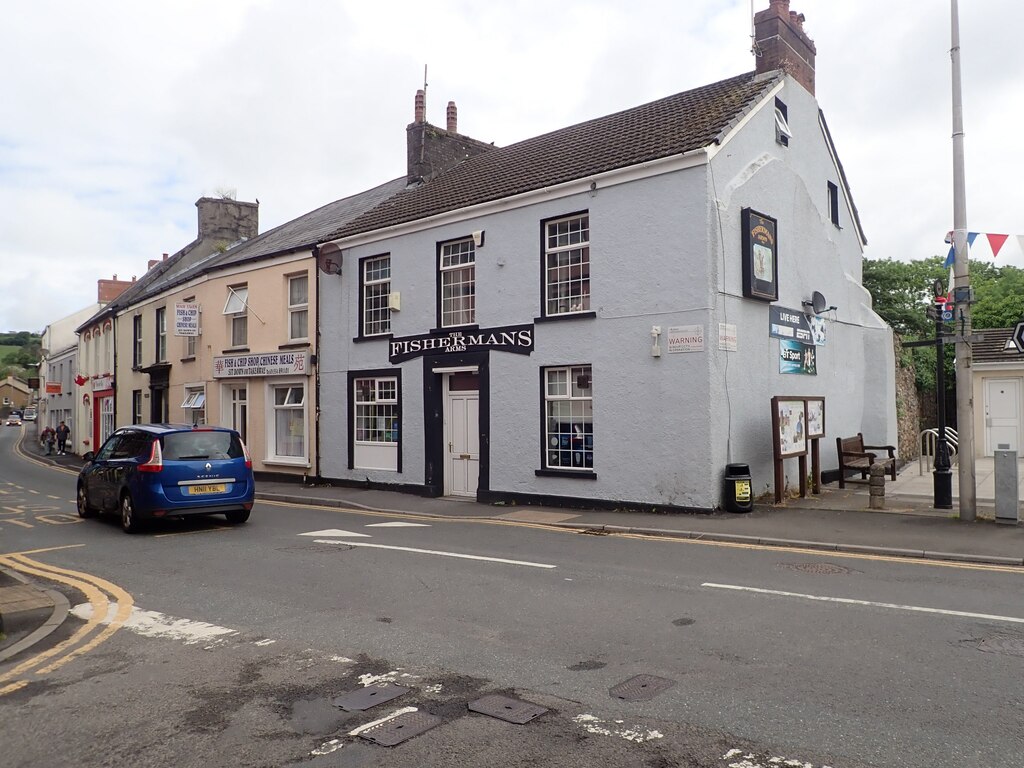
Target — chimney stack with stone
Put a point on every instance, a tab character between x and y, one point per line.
430	150
781	43
453	118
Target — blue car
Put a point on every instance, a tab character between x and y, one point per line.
150	471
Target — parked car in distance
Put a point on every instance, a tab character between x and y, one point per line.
148	471
13	421
29	414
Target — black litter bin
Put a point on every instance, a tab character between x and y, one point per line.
737	495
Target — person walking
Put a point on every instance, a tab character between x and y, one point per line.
63	433
46	437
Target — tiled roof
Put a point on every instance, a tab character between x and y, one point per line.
993	348
671	126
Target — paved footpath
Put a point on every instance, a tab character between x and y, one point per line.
835	520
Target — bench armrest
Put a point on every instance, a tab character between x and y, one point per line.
858	455
890	448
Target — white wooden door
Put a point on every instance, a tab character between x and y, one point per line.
462	457
1002	415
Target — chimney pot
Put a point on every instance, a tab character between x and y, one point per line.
453	118
152	263
165	257
780	42
421	107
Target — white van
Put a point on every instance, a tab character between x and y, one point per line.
29	414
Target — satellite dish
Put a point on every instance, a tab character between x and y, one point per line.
328	259
818	303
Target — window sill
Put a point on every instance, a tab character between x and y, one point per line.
294	345
191	359
567	316
232	350
578	474
283	462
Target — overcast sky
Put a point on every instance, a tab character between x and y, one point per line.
115	117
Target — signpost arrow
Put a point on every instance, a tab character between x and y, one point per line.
1018	336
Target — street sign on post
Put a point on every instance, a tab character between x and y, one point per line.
1018	336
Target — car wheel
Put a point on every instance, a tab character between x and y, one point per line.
129	520
237	517
84	510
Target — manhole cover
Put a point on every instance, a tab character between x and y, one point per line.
371	696
640	688
505	708
1011	645
401	728
828	569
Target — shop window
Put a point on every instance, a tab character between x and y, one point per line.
194	405
375	277
458	283
288	430
567	265
568	418
376	422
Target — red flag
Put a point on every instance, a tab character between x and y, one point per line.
996	241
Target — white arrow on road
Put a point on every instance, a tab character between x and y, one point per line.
398	525
336	532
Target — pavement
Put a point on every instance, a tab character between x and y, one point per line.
836	520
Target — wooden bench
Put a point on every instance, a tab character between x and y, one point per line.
857	457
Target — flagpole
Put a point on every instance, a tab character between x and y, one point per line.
962	290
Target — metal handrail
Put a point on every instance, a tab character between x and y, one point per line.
928	440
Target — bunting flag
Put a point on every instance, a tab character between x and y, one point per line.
995	242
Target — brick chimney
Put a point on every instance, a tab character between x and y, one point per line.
108	290
431	150
781	43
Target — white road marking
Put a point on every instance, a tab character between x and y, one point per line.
592	724
398	524
154	624
336	532
392	716
328	746
388	677
439	553
870	603
750	760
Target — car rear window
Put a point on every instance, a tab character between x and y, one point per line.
186	446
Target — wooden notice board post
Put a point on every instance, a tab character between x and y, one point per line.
789	439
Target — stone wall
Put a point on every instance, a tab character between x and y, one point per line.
908	406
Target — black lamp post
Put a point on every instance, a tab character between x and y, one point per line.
942	475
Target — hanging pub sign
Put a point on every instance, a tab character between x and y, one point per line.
509	338
786	323
760	256
797	357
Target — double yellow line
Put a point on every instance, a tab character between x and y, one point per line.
98	592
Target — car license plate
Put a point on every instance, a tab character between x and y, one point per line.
200	490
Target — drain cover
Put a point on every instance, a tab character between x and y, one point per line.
640	688
398	729
505	708
371	696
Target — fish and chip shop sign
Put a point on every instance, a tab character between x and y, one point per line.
269	364
510	338
186	319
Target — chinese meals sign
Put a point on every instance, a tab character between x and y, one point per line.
186	319
268	364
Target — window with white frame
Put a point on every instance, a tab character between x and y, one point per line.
376	283
568	417
458	283
238	415
161	335
298	308
288	430
137	341
136	406
194	405
190	341
376	423
236	308
567	265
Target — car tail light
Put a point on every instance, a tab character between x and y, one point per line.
156	459
248	458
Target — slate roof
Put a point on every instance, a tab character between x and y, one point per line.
993	348
670	126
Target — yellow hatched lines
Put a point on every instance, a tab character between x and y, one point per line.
100	593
